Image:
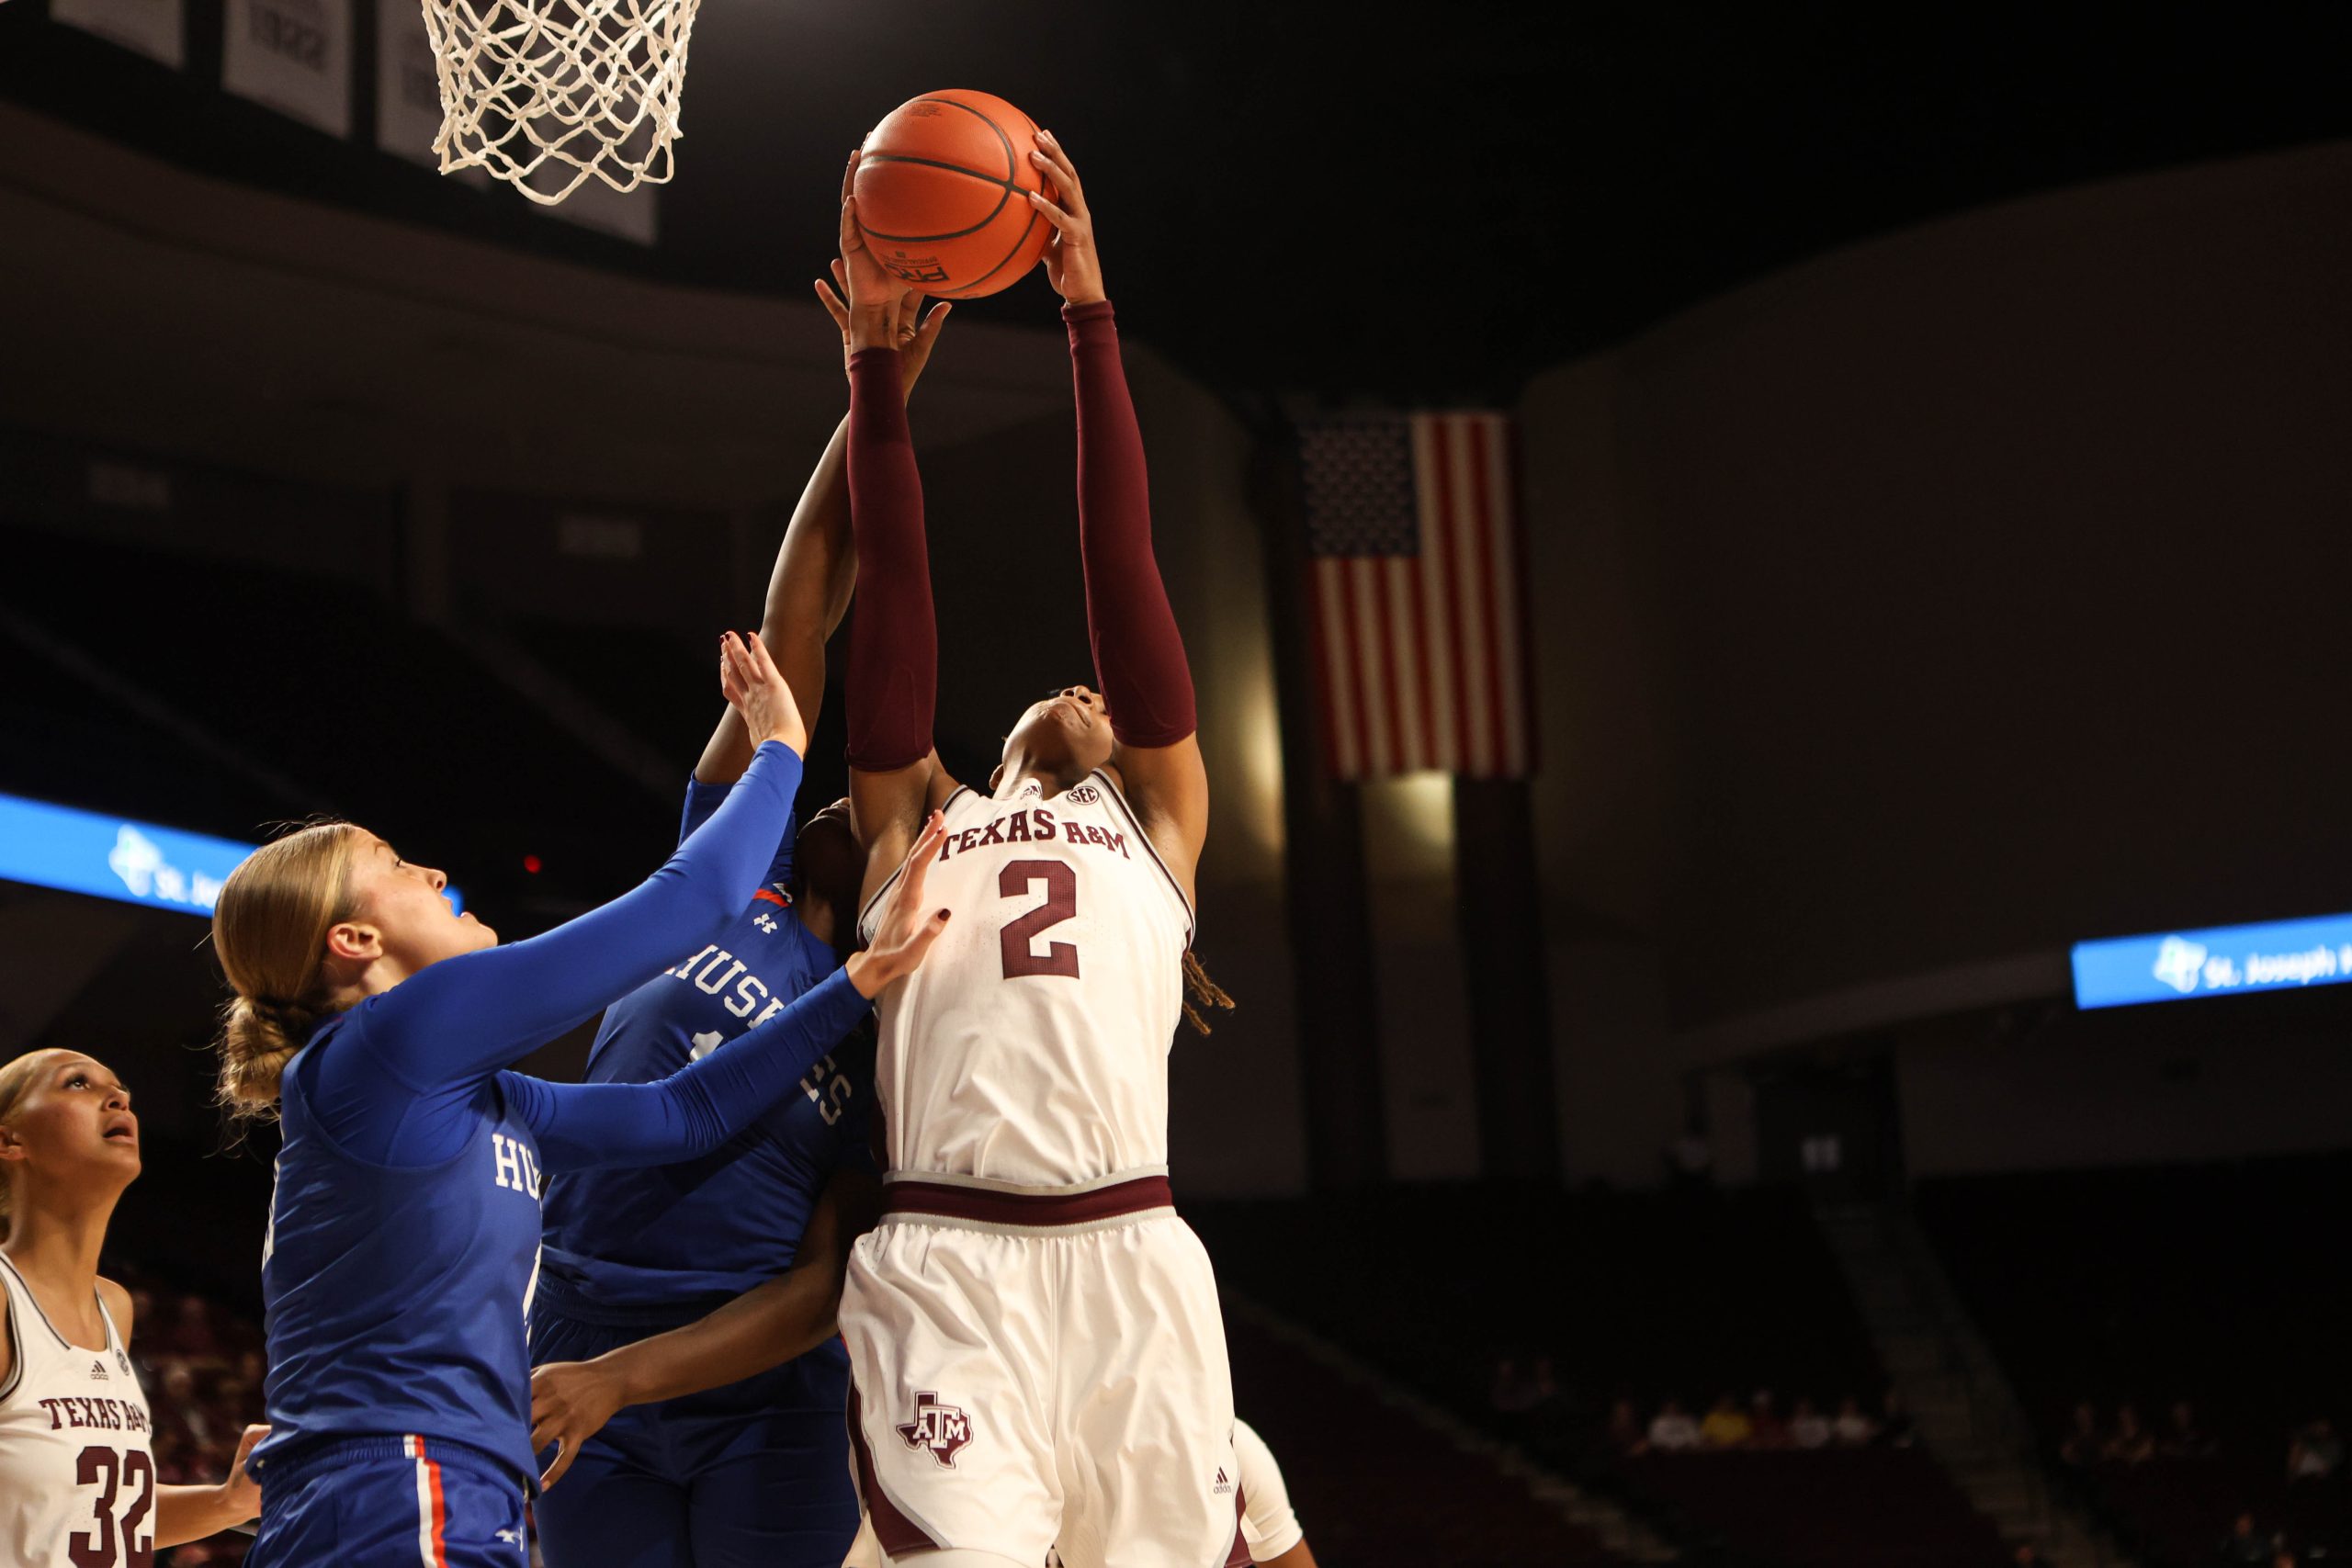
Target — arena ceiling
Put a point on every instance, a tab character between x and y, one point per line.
1356	201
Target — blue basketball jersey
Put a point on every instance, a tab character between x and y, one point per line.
397	1298
652	1245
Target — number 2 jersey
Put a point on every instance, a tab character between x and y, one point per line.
77	1482
656	1248
1031	1046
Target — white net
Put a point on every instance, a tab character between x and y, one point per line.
546	93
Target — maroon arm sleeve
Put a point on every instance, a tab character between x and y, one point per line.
1138	654
894	639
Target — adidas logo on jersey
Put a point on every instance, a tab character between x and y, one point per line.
98	1372
1224	1488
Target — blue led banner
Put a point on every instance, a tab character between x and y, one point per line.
112	857
2219	962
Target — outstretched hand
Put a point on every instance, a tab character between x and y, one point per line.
758	692
906	927
875	304
1072	265
913	330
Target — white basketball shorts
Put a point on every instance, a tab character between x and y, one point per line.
1040	1368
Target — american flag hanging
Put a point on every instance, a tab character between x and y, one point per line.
1417	577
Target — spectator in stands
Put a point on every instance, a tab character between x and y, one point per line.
2316	1453
2181	1438
1726	1426
1672	1431
1894	1428
1626	1435
2129	1443
1853	1429
1764	1417
192	1336
2246	1545
2085	1443
1808	1427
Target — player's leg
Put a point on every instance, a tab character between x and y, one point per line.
951	1339
618	1506
609	1511
778	1495
1147	1432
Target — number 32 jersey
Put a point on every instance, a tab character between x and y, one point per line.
77	1484
1031	1046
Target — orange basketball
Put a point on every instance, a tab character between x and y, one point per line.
942	194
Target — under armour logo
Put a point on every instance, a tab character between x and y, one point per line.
512	1538
765	922
704	1045
942	1428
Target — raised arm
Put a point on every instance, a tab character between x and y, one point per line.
707	1102
451	1023
1138	653
809	588
895	776
765	1327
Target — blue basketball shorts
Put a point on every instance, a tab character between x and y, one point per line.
752	1475
390	1503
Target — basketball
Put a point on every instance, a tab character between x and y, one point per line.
941	192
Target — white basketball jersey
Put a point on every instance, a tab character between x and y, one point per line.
1031	1046
77	1483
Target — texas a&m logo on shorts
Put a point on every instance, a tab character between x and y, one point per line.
942	1428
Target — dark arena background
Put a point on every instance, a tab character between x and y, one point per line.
1820	1048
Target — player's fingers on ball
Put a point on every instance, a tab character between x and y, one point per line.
1059	157
849	173
1054	215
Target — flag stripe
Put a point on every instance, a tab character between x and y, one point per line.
1338	659
1405	660
1448	563
1469	604
1380	692
1419	587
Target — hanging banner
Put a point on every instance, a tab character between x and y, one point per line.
107	856
2221	961
152	28
408	90
293	55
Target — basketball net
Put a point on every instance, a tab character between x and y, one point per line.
573	87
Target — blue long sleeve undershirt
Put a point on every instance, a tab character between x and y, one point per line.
404	1078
